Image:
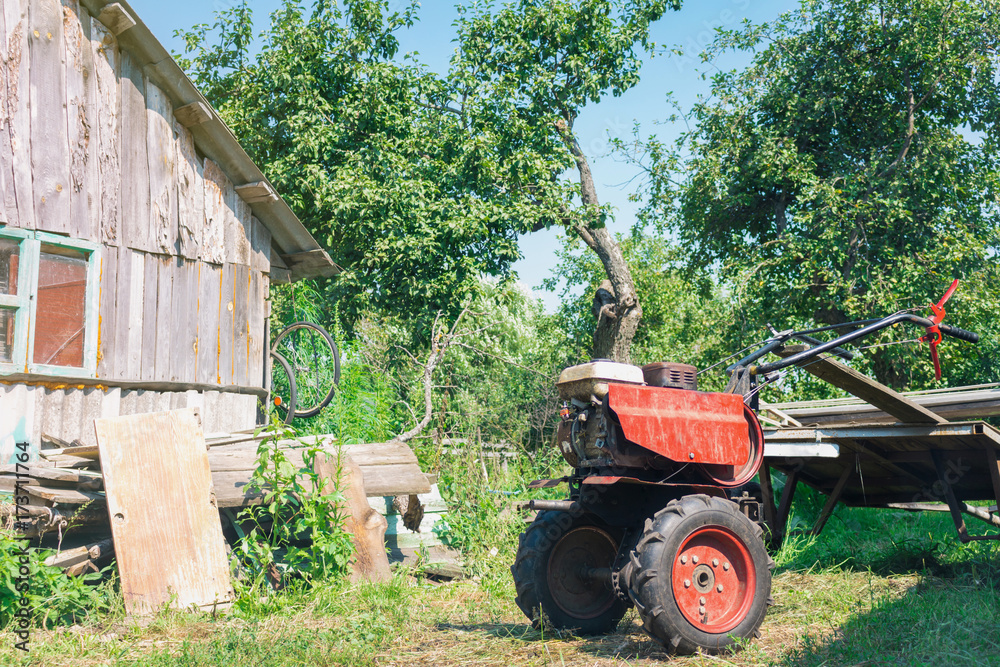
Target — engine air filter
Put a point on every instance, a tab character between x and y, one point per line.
667	374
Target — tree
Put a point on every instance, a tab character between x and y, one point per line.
852	168
387	184
524	73
420	184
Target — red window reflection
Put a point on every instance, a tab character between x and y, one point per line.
60	307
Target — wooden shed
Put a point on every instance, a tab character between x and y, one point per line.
138	240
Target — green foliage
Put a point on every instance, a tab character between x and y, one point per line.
54	598
499	379
354	140
850	171
420	183
362	408
481	520
525	72
297	529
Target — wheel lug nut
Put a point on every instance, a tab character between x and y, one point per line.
715	562
701	601
687	583
701	610
719	588
694	559
684	560
725	566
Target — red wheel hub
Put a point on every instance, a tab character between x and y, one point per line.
713	579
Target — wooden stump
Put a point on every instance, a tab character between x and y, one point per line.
370	562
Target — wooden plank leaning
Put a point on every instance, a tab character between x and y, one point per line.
164	520
366	525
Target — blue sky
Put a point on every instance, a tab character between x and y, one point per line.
691	28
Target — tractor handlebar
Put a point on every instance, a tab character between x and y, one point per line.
961	334
934	327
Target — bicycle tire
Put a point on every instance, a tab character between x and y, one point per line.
310	359
287	411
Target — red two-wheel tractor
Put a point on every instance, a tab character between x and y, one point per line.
662	513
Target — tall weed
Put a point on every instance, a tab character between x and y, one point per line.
53	597
297	531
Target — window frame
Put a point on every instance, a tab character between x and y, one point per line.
25	303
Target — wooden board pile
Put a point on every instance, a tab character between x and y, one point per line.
66	506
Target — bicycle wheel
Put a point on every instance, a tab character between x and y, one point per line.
283	389
315	362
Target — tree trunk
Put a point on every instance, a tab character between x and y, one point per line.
616	305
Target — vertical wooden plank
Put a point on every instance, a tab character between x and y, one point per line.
8	201
190	194
177	323
241	229
189	367
227	325
50	159
184	352
213	245
260	246
149	295
165	316
120	317
134	160
134	310
209	298
107	351
152	505
77	119
241	323
104	134
17	114
255	354
162	159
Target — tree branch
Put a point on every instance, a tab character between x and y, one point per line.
440	342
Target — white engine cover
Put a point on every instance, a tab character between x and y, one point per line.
590	380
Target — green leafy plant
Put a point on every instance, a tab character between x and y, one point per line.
54	598
297	529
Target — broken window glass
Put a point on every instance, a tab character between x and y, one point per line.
60	307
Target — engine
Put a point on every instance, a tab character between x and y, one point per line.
653	419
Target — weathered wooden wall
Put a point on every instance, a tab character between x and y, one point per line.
68	412
90	148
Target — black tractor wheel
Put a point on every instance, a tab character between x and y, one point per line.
700	577
563	572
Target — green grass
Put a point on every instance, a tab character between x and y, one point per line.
879	587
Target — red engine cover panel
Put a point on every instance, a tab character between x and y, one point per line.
683	425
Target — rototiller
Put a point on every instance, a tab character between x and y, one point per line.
659	514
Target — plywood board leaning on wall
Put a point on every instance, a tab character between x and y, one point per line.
164	520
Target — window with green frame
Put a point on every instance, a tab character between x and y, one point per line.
48	304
